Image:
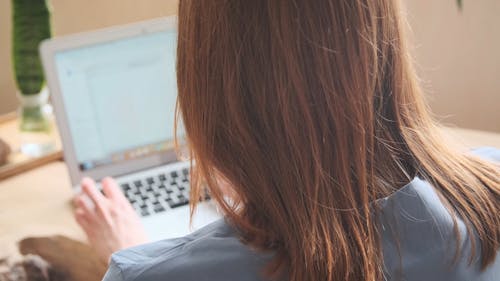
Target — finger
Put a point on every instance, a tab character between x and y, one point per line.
84	205
89	188
75	200
112	191
81	219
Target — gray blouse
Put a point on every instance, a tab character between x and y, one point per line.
414	214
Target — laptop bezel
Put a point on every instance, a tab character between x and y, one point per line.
50	47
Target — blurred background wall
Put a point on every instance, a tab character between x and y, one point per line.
69	17
457	53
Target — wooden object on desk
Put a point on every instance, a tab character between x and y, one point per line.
17	162
73	259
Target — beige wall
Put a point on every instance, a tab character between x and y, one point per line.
458	54
8	100
71	16
74	16
458	58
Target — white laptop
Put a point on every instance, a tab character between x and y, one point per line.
114	93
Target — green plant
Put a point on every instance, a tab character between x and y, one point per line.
31	25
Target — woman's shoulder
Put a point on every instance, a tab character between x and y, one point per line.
212	253
418	235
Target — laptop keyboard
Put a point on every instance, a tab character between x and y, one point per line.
156	194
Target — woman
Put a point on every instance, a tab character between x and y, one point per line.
307	126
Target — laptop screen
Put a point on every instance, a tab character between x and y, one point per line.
120	98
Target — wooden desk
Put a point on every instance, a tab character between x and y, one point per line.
37	203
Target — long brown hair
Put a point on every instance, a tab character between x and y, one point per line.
310	110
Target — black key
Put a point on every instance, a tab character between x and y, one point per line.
150	180
174	174
144	213
158	208
138	183
185	171
132	201
162	177
126	186
178	204
150	189
161	186
185	180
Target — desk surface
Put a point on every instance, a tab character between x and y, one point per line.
38	202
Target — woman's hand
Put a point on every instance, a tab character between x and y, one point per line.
110	222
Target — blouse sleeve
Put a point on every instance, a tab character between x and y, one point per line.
114	272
